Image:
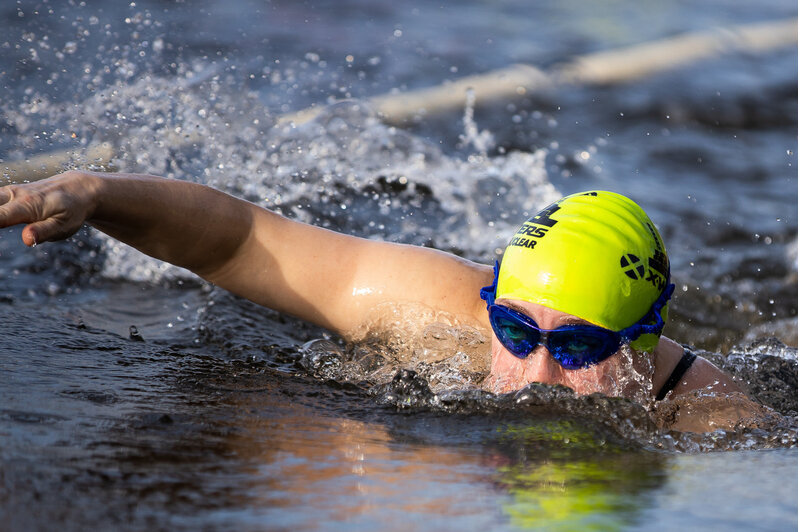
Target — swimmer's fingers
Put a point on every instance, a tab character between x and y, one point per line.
53	209
18	207
53	228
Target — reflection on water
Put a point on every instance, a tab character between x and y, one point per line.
217	417
345	469
163	432
587	488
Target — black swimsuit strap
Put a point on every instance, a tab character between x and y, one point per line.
678	372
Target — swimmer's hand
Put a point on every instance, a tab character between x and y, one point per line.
186	224
53	209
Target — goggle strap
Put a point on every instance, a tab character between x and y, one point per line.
488	293
644	325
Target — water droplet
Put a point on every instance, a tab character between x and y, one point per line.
134	334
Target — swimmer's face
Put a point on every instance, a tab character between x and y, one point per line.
624	374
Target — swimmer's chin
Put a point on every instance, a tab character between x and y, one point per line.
502	384
497	385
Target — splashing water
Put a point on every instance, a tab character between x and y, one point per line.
482	141
343	170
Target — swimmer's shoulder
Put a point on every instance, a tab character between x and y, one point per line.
701	375
704	375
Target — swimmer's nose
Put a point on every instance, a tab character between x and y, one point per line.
540	366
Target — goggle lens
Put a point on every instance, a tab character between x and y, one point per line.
581	347
573	346
517	338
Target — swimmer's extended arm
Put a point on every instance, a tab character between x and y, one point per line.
324	277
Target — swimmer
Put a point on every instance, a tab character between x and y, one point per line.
580	298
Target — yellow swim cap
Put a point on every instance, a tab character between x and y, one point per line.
595	255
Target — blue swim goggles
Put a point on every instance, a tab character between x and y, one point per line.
572	346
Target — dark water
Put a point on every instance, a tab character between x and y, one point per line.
134	397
